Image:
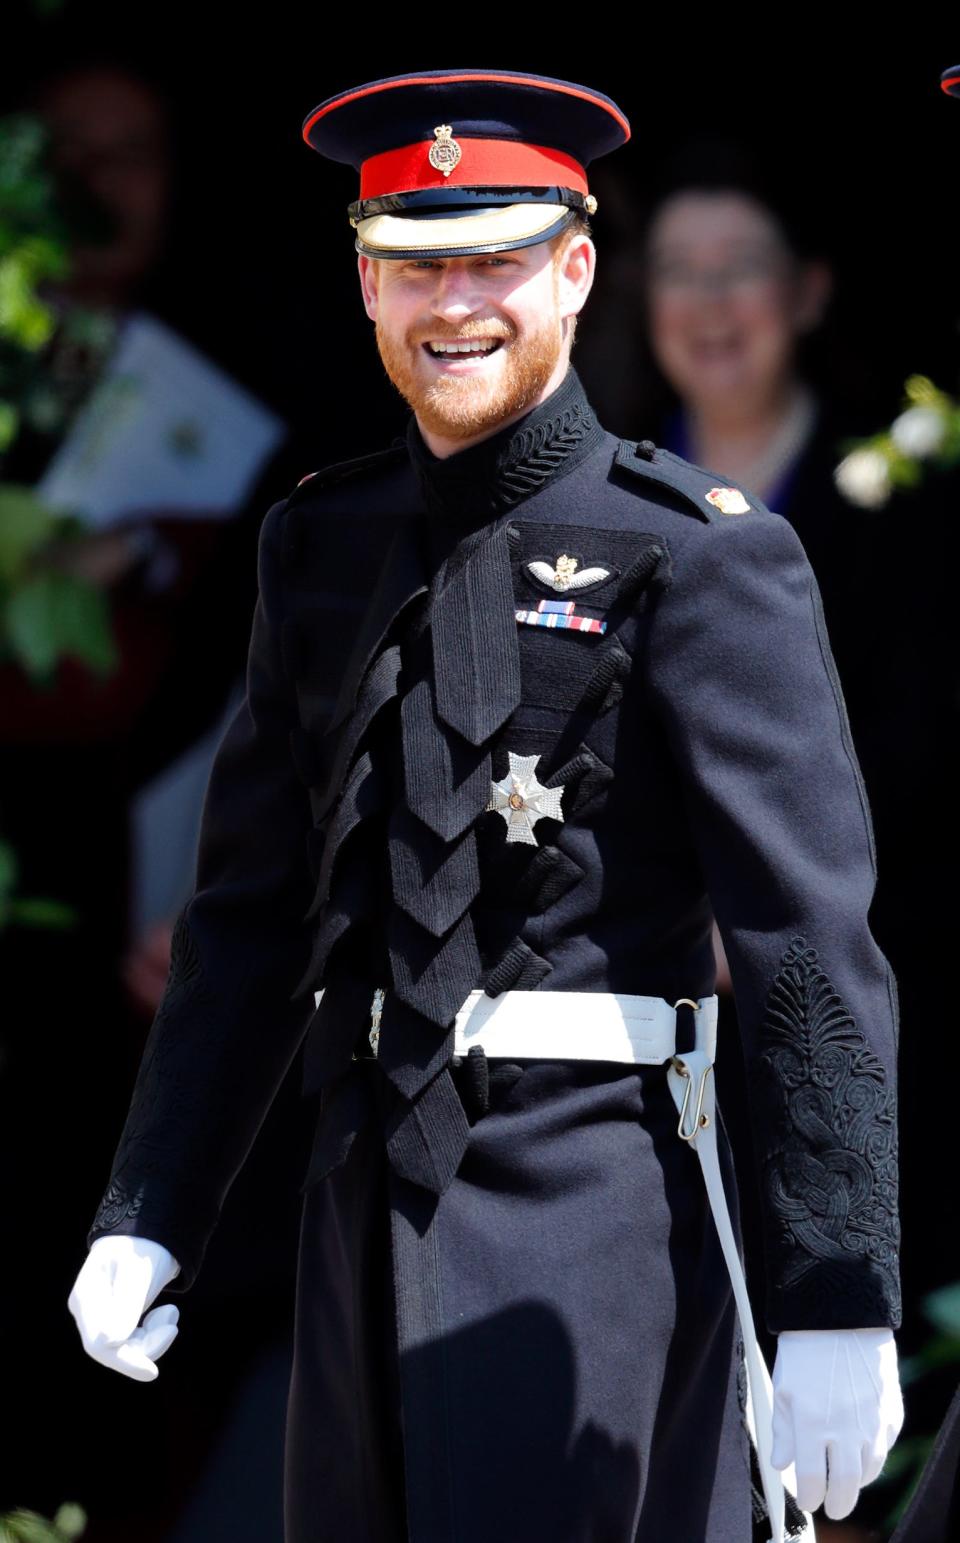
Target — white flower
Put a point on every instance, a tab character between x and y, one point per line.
864	478
919	431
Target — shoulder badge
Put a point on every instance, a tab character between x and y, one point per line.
727	500
697	486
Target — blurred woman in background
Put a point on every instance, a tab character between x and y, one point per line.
732	301
733	290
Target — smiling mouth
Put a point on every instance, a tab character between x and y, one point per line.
716	348
466	348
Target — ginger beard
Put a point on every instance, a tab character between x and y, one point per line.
459	407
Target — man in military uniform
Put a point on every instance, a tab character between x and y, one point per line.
526	706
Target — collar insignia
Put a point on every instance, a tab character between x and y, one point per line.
727	500
522	800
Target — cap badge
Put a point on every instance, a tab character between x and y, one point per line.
522	800
728	500
445	153
563	575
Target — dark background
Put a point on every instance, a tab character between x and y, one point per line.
260	273
261	269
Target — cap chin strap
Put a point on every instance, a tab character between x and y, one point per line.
452	199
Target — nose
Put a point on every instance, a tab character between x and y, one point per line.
457	294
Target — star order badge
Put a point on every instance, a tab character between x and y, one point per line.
522	800
445	153
727	500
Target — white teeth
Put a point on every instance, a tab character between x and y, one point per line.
470	347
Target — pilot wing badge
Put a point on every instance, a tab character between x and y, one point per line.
564	575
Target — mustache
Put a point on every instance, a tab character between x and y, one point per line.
465	335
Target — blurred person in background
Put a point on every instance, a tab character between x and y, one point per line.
734	287
734	300
72	759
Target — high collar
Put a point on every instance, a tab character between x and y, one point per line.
475	485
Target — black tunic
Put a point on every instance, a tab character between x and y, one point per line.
512	1313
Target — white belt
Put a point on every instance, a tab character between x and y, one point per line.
577	1025
613	1026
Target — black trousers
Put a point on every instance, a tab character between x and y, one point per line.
548	1352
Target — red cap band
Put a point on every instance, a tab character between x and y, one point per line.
483	163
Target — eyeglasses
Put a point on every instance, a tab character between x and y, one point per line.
741	273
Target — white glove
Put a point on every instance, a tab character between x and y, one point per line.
837	1410
121	1276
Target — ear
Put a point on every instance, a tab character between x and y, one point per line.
814	289
575	273
369	283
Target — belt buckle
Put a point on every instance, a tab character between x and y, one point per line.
376	1011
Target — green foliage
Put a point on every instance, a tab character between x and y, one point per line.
33	235
943	1310
904	1465
45	613
9	424
27	1527
33	912
25	525
55	614
40	216
8	870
